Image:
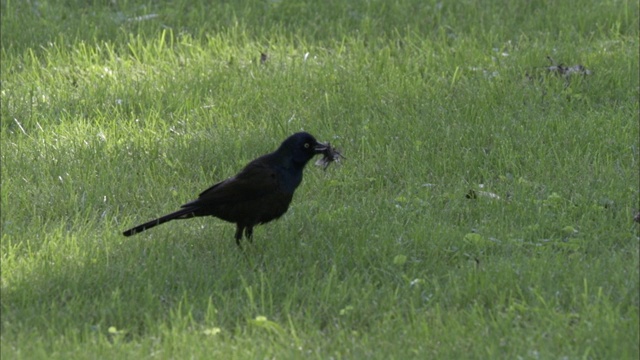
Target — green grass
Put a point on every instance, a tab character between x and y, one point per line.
108	121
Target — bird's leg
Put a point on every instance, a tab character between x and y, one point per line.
248	233
238	236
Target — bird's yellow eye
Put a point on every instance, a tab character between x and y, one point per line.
306	145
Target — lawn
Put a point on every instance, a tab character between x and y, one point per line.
485	208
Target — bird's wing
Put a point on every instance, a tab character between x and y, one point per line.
254	181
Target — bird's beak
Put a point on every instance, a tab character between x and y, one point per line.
320	148
330	154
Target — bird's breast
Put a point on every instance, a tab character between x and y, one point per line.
273	206
289	180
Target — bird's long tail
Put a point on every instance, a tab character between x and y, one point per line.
180	214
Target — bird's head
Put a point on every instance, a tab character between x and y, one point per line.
301	147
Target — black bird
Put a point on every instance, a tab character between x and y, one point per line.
261	192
